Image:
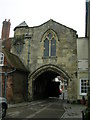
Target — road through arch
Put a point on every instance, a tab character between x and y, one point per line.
42	84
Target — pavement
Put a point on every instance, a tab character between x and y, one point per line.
18	104
72	110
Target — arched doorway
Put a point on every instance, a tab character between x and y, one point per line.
42	82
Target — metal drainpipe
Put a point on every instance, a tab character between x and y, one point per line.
6	74
5	87
28	53
28	59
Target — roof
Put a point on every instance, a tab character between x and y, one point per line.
14	61
23	24
51	20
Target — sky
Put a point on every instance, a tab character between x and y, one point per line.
70	13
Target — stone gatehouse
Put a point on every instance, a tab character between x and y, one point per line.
48	51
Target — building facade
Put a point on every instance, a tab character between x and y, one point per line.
12	70
88	36
13	73
82	55
48	51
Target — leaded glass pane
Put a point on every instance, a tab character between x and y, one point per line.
46	47
53	47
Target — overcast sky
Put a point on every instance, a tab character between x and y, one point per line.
70	13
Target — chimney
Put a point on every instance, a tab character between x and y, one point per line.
5	29
6	42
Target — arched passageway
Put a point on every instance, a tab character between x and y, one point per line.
44	84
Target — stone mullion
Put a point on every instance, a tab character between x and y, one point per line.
49	47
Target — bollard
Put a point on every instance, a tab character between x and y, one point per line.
83	115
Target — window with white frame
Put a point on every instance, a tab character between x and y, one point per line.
84	83
1	59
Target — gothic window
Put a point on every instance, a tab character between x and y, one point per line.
1	59
50	43
18	42
19	47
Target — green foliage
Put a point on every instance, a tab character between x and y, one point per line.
87	113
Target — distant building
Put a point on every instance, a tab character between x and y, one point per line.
88	35
14	77
82	70
12	70
83	55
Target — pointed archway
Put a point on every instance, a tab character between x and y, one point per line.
41	83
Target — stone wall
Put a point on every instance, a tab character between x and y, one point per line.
66	50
